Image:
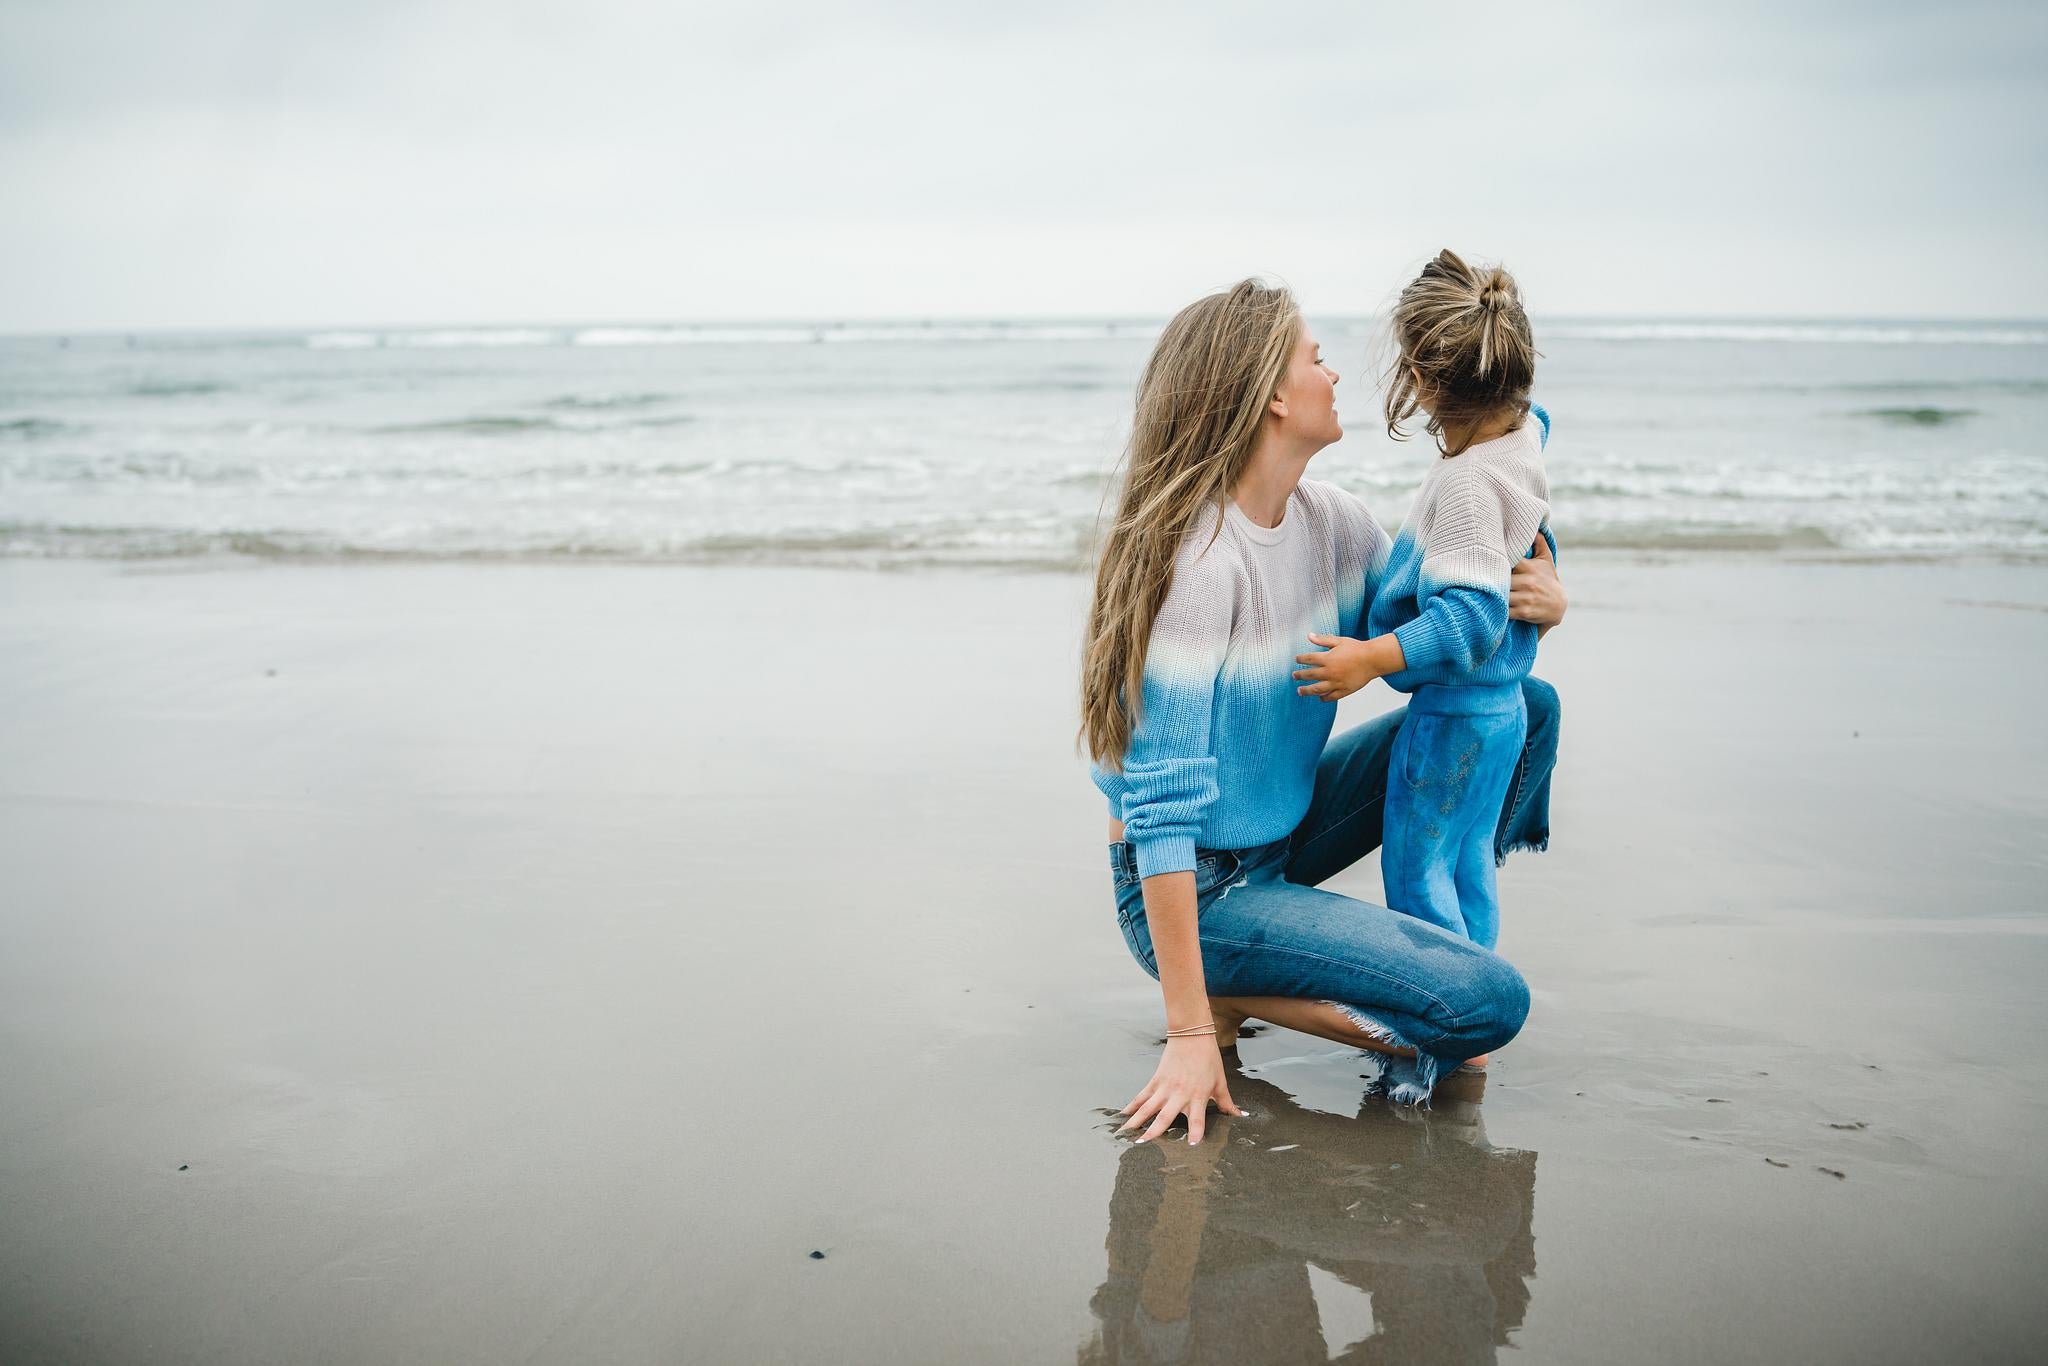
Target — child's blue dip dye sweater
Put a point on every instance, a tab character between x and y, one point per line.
1444	593
1224	752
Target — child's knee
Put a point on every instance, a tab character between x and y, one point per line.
1542	704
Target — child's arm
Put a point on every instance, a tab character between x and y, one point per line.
1344	665
1481	516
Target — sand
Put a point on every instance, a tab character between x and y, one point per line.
473	963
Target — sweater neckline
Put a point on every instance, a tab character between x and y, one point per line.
1264	535
1500	443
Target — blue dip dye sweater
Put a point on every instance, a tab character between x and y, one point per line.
1444	592
1224	752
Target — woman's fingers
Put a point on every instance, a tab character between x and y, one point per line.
1165	1108
1168	1113
1542	548
1140	1107
1141	1118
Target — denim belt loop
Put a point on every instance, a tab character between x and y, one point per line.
1123	865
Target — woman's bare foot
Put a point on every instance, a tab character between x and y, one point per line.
1228	1021
1479	1062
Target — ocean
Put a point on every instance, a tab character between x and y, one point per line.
908	445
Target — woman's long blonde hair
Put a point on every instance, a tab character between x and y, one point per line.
1461	344
1201	406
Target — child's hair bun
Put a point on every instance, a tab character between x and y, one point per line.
1496	290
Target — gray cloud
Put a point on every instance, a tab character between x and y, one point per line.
243	163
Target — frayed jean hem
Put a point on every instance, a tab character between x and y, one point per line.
1407	1081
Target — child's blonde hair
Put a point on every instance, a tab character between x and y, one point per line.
1462	346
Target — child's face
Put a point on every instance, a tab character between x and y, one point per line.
1306	401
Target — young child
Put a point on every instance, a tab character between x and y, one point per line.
1438	625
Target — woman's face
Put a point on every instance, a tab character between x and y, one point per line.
1306	401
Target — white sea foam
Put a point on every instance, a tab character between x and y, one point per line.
438	337
854	444
343	341
714	334
805	333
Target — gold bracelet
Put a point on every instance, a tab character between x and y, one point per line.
1191	1030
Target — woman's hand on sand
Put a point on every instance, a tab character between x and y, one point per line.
1190	1075
1535	593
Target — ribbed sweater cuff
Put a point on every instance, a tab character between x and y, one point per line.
1166	854
1422	641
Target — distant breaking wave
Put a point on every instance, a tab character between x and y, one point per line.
735	335
1840	334
708	334
1923	416
1061	549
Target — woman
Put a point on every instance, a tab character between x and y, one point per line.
1227	806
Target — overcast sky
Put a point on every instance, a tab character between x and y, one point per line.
292	162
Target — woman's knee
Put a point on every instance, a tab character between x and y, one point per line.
1496	1004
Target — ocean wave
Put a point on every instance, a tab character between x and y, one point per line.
176	388
516	424
1851	334
830	333
36	429
435	338
490	478
1927	416
1677	539
731	334
1985	385
863	548
170	469
604	403
476	426
1061	547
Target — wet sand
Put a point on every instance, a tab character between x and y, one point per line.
449	964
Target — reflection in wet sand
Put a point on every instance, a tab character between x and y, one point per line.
1212	1250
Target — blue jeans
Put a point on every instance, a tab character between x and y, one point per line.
1448	779
1266	929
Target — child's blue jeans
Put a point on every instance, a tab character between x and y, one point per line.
1453	763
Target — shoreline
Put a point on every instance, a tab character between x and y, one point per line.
217	561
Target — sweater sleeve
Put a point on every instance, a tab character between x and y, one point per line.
1483	515
1542	415
1169	770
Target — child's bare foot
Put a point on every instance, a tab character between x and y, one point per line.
1479	1061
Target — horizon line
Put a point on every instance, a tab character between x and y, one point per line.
948	319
